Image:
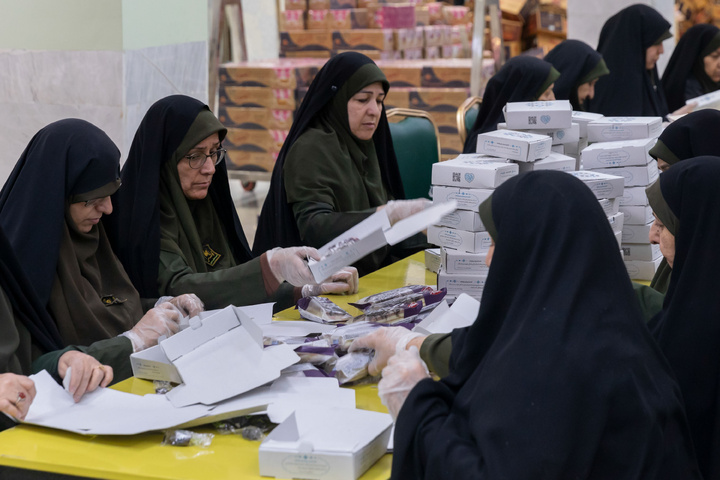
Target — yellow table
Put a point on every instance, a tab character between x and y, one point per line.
142	456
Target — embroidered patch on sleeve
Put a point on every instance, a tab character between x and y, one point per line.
211	256
108	300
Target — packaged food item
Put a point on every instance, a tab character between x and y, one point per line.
315	353
322	310
391	313
187	438
251	427
343	336
389	295
352	367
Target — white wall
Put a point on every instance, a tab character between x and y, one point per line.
586	18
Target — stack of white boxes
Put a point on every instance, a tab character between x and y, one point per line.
575	149
469	180
620	146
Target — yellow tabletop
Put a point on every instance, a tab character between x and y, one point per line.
142	456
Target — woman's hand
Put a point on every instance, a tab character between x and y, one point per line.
290	264
687	108
189	304
87	374
16	394
158	321
344	280
385	341
404	370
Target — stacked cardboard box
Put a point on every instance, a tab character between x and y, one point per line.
381	30
627	155
545	24
469	180
257	101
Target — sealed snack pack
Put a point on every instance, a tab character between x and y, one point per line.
397	305
322	310
352	367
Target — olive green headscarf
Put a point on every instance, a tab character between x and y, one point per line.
192	228
661	279
552	76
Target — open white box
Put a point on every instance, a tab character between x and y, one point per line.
327	444
372	233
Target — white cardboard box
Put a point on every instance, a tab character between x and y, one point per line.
538	115
473	242
610	129
554	161
634	176
618	154
576	148
558	149
639	270
601	184
636	233
456	261
472	171
709	100
610	206
464	220
637	214
327	444
466	198
618	238
583	118
634	196
433	259
521	146
560	136
458	283
645	252
616	221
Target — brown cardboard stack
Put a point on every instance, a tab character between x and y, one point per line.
257	101
545	24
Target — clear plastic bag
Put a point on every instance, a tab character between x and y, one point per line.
187	438
322	310
353	366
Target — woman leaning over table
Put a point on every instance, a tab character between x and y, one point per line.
176	229
338	166
558	377
581	68
51	209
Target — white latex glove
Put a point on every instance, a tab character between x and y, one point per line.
16	394
87	373
687	108
189	304
158	321
398	209
344	280
404	370
290	264
386	341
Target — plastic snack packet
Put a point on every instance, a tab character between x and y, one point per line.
186	438
321	310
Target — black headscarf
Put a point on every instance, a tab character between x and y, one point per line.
577	63
135	223
26	306
688	328
630	89
687	61
693	135
558	377
33	200
521	79
277	226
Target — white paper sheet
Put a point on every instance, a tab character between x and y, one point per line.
445	319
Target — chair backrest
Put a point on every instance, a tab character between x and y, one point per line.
417	147
466	115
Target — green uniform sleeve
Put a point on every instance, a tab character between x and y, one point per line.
239	285
113	351
651	301
435	352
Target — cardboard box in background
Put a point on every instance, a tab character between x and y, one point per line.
367	39
392	16
257	97
296	4
455	261
645	252
634	176
602	185
555	114
318	19
618	154
637	214
610	206
447	75
456	15
554	161
560	136
458	283
253	161
405	74
472	171
463	220
639	270
520	146
352	18
255	118
259	74
467	198
342	4
292	20
634	196
450	143
437	99
636	233
433	259
616	221
583	118
255	140
609	129
472	242
306	41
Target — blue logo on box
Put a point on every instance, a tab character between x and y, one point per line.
545	119
469	177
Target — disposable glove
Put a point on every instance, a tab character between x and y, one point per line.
344	280
159	321
386	341
290	264
189	304
404	370
86	373
398	209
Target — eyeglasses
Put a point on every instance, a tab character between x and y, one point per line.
95	201
197	160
